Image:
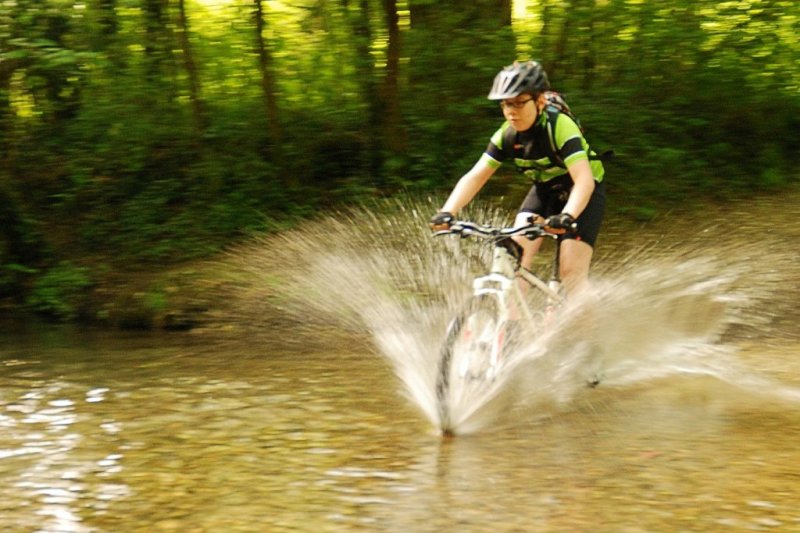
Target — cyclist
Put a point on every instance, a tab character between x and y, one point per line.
568	180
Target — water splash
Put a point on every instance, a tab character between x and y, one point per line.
677	305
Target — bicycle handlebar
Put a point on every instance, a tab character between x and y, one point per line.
465	228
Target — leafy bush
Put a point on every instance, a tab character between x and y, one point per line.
61	292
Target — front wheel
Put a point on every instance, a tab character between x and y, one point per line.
471	354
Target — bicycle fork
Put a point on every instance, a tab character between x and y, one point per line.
500	280
498	285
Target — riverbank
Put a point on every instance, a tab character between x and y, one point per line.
200	295
180	298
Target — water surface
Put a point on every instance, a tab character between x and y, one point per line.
315	412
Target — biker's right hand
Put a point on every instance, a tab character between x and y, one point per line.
441	221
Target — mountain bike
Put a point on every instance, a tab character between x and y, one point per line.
506	300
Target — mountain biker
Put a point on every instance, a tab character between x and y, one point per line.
561	195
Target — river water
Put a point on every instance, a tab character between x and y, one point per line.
312	409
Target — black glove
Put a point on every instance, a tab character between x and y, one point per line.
563	221
442	218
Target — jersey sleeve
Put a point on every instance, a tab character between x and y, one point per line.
569	141
495	152
573	146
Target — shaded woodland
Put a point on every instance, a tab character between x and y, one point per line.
146	132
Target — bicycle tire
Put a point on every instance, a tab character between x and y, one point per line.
471	350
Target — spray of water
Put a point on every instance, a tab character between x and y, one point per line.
665	302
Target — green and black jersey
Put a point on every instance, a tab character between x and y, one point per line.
531	152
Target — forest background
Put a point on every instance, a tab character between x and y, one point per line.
139	134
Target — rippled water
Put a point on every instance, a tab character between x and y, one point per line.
150	434
314	412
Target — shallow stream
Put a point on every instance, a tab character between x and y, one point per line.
313	411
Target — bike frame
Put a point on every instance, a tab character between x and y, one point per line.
475	345
501	280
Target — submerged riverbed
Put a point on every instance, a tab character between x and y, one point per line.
109	433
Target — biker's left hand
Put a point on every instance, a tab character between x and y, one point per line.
561	222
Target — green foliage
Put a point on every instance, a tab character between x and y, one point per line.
61	292
12	276
122	142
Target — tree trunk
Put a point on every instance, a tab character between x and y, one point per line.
154	49
267	80
559	65
393	131
367	75
6	71
198	106
505	12
586	40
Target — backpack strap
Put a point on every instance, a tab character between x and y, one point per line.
552	115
